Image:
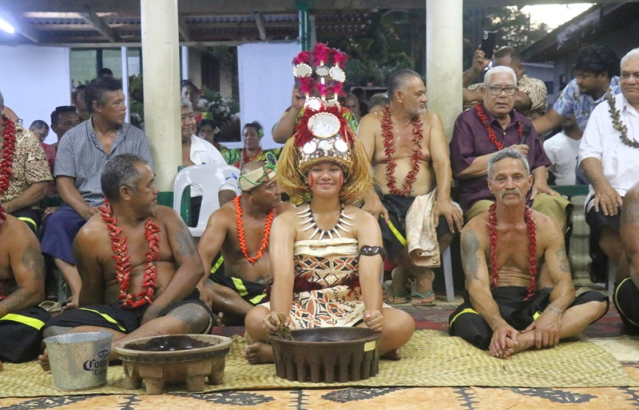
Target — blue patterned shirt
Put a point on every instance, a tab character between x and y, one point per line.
572	102
81	156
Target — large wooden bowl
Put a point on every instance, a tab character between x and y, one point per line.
174	359
327	354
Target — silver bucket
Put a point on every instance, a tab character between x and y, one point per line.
79	360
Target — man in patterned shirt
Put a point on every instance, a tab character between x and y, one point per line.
530	98
29	172
596	71
81	156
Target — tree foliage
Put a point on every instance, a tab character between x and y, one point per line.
396	39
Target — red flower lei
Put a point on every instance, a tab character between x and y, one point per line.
8	152
389	150
123	266
241	236
491	132
532	248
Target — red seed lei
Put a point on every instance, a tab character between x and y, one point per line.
241	236
532	248
8	153
491	132
389	150
122	259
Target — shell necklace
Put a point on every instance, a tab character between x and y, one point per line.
342	220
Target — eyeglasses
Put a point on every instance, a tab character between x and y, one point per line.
498	90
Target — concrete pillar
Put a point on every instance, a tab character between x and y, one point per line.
444	59
161	56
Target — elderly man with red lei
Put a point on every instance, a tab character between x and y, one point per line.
138	264
508	306
326	255
406	146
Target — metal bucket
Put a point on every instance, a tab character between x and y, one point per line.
79	360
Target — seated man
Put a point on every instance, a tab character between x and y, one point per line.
80	159
197	151
608	156
508	308
21	289
153	292
406	147
241	231
596	68
488	128
25	173
531	95
627	292
562	150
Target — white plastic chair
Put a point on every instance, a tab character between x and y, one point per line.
208	177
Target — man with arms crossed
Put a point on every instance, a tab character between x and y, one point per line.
508	308
152	293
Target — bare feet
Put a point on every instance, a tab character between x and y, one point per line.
43	359
524	342
392	355
259	353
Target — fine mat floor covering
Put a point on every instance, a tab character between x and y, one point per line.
431	359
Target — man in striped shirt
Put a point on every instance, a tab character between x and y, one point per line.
82	154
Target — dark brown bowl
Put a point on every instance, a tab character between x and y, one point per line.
326	355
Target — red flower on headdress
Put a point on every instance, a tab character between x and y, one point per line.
302	58
320	53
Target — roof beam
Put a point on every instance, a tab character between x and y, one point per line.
184	29
21	28
260	26
200	7
103	28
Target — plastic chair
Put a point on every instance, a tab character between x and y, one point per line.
208	177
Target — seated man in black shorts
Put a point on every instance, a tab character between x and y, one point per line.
21	289
406	146
508	307
138	264
240	229
626	297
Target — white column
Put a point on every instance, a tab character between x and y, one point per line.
125	82
185	63
161	70
444	59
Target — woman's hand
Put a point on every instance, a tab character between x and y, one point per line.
374	320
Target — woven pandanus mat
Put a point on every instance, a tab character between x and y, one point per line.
430	359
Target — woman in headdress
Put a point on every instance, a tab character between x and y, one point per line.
327	255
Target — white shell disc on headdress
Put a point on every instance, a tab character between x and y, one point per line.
323	125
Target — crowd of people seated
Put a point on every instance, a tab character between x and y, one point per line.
365	188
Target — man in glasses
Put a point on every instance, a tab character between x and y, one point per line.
531	95
489	127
